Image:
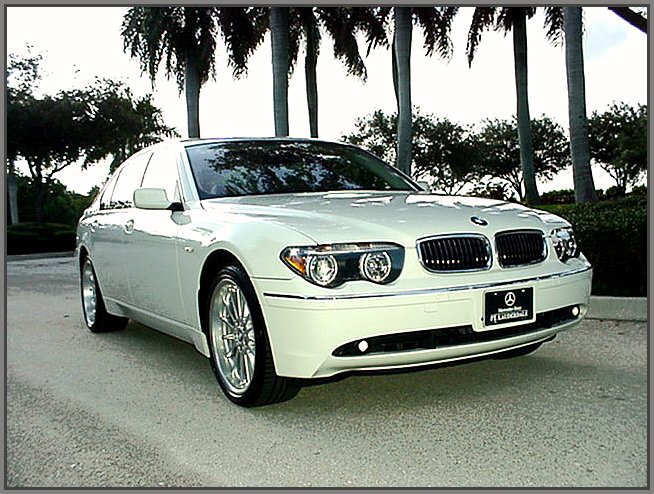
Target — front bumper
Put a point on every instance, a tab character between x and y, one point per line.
306	333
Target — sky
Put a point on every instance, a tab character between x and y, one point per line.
82	43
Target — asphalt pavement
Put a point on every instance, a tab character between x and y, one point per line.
137	408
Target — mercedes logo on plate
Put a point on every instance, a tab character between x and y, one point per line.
478	221
509	299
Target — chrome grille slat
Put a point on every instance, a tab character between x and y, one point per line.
455	253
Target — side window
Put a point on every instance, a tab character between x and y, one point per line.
161	173
128	181
106	193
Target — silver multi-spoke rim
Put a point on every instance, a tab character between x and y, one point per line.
89	295
232	334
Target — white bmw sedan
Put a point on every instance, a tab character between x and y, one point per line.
284	260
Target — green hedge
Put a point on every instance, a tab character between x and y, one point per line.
612	234
31	238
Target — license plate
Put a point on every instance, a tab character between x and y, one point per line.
506	306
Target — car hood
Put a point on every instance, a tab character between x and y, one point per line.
399	217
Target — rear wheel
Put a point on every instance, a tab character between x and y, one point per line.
239	348
519	352
96	317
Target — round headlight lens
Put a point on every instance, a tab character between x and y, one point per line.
375	266
322	269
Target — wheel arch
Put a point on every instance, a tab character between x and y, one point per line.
214	262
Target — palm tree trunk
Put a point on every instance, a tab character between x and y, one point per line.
311	61
524	121
280	62
12	192
394	64
192	89
402	38
574	67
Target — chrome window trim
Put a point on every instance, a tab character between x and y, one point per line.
430	291
487	243
522	230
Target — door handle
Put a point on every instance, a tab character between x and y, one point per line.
128	227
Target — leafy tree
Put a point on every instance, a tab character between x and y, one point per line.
444	152
126	124
514	19
499	151
184	38
53	132
618	143
22	76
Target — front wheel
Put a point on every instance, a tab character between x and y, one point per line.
96	317
239	348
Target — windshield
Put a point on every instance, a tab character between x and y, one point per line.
224	169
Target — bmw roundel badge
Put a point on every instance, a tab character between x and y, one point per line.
478	221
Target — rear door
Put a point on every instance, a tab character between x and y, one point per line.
113	227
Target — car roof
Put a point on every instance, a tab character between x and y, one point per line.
197	141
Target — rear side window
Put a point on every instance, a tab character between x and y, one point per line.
128	181
105	199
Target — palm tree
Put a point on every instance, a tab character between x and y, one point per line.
342	24
435	23
184	38
512	19
279	34
574	65
289	25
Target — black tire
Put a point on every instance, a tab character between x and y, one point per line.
98	321
264	386
519	352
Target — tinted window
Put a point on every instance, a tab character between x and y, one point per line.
161	173
128	181
272	167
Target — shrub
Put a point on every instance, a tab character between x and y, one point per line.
31	238
612	234
565	196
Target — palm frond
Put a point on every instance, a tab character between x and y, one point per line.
341	26
243	31
483	18
436	23
554	25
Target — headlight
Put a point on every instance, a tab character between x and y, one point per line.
333	265
565	245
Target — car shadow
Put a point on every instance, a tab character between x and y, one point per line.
368	395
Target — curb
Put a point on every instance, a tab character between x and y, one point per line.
42	255
618	308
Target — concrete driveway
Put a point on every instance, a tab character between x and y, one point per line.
138	408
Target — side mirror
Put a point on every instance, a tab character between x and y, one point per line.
145	198
424	185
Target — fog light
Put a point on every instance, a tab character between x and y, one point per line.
363	346
575	311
